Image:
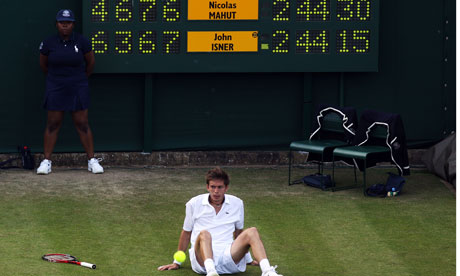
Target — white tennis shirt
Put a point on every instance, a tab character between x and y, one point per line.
200	215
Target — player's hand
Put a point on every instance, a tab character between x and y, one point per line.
169	267
254	262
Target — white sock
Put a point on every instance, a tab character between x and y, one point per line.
264	265
209	265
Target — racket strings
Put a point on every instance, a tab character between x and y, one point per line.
59	257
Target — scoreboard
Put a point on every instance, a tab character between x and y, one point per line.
149	36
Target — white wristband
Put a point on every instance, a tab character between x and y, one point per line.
178	263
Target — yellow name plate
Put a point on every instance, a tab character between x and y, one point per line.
223	9
222	41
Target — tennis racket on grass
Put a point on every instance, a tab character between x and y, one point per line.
66	258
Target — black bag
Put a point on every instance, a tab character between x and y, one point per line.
377	190
28	161
393	187
320	181
3	164
27	158
395	183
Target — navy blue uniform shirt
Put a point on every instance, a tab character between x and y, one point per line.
66	58
66	83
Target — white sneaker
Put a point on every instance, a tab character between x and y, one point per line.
94	167
45	167
271	272
212	273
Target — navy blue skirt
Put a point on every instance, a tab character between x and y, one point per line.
66	94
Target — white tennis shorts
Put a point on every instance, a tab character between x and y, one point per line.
223	261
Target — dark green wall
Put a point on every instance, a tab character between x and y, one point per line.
136	112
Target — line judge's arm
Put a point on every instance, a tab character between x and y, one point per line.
184	241
90	61
44	63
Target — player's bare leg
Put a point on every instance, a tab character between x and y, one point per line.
203	252
203	247
250	238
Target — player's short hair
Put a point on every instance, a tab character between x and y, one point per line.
217	174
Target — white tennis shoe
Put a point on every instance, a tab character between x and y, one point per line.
94	166
45	167
271	272
212	273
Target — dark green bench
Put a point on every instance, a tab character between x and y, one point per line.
377	148
331	122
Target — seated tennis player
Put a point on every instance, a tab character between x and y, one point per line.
214	226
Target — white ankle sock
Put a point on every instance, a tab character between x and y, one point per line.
264	265
209	265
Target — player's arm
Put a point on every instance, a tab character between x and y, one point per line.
184	241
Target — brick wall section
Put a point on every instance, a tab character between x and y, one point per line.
189	158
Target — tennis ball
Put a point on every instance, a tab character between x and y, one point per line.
180	256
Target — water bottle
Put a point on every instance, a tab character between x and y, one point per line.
392	192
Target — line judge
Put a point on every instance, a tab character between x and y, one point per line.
67	60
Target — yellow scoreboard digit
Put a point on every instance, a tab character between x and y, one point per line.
171	42
124	10
280	10
147	10
280	41
171	10
100	42
147	42
123	42
99	10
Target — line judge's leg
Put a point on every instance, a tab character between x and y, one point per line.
80	120
53	125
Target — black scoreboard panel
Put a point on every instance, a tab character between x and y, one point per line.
148	36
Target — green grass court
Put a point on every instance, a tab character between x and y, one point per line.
127	222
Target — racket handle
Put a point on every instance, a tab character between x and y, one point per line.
88	265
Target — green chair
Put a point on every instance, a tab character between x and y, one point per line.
331	122
376	149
